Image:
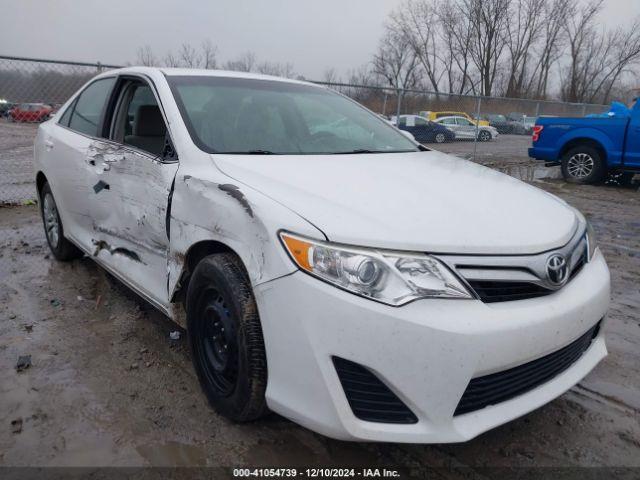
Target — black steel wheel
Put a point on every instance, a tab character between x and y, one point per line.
225	337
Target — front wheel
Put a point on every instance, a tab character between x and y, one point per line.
440	137
225	337
484	136
583	165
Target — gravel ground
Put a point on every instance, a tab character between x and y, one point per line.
108	387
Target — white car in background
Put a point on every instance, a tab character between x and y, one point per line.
464	129
325	266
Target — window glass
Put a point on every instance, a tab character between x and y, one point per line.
139	122
420	122
463	121
235	115
449	121
89	106
403	121
64	120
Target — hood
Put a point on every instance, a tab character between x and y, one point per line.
423	201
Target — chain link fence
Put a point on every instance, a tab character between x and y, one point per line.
32	89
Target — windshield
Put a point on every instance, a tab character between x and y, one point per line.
252	116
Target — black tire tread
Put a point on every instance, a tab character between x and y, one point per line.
599	171
65	251
250	399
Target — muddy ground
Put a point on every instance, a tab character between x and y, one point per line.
108	387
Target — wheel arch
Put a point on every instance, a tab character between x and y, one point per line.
41	179
584	141
190	259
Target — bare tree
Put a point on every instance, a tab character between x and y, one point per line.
330	76
244	63
396	62
580	30
552	44
188	56
277	69
209	54
488	19
170	60
455	39
145	56
522	29
418	21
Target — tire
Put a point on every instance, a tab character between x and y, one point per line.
440	137
583	165
225	338
484	136
61	248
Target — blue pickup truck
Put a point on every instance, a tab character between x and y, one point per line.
589	148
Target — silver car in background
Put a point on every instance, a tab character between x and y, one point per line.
464	129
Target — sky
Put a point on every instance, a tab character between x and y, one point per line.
312	35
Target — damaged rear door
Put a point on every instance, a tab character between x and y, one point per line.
133	178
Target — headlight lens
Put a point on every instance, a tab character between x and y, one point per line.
388	277
591	241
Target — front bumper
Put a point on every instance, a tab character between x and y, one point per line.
426	352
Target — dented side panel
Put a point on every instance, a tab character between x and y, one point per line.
208	205
129	202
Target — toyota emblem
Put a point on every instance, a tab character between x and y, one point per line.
557	269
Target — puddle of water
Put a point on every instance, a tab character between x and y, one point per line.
529	172
172	454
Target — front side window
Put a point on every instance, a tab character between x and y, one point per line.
138	121
88	109
421	122
244	116
463	121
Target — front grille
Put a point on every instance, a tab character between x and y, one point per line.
491	291
368	397
499	387
504	278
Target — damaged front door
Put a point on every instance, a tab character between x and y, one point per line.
131	192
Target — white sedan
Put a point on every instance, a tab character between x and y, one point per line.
464	129
325	266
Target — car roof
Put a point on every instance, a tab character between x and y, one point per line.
194	72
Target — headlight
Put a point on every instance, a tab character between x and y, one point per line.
388	277
591	242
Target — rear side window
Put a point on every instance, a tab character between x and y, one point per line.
89	106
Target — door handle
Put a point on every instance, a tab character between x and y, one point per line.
48	144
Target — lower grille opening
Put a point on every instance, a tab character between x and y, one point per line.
369	398
499	387
501	291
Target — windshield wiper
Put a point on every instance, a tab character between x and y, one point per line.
251	152
357	150
365	150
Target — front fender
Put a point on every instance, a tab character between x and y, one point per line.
215	207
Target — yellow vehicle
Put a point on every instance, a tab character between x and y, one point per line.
435	115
